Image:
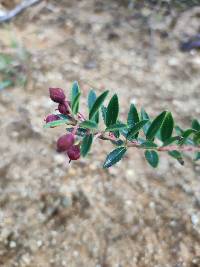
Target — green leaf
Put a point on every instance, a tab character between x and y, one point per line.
104	112
91	99
177	155
64	117
124	132
75	96
155	126
116	127
167	127
5	83
115	156
55	123
136	128
88	124
152	157
112	111
195	125
133	116
86	144
116	134
118	142
148	144
185	135
80	131
197	156
196	138
75	90
145	116
178	130
97	104
172	140
75	104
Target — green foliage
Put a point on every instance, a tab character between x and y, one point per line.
88	124
195	125
56	123
112	111
152	158
185	135
155	126
86	144
114	156
135	129
116	127
79	132
148	144
91	100
138	130
177	155
197	156
171	140
97	104
133	116
104	112
75	97
167	127
145	116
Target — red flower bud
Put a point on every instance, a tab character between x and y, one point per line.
57	95
74	152
64	107
65	142
52	117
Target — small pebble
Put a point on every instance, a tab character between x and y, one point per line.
12	244
194	219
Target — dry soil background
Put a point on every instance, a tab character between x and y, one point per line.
53	214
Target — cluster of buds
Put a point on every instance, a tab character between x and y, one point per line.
65	143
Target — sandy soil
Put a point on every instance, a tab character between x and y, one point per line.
53	214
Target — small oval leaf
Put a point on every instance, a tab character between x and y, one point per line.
114	156
167	127
197	156
112	111
88	124
75	104
91	100
135	129
177	155
97	104
116	127
185	135
55	123
195	125
86	144
133	116
75	90
148	144
152	158
155	126
145	116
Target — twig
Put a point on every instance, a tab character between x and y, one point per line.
18	9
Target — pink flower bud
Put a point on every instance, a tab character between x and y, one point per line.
52	117
64	107
57	95
74	152
65	142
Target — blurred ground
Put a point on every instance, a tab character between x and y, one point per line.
52	214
